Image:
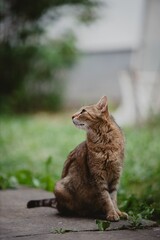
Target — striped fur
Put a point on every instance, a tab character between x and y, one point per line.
42	203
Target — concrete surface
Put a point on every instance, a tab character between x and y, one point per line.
16	221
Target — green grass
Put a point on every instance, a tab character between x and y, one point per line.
33	149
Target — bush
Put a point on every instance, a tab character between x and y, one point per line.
29	69
139	188
30	78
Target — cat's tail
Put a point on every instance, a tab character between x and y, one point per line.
42	203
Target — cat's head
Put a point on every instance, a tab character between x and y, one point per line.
88	116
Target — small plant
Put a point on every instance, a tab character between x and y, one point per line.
147	212
8	181
135	221
61	231
102	224
47	179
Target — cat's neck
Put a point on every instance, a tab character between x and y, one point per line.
98	134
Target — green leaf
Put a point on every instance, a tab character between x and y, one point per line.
102	224
48	164
13	182
36	182
61	231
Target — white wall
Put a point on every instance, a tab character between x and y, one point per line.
95	75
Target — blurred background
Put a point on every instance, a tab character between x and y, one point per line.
56	56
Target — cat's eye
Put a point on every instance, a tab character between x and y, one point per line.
83	110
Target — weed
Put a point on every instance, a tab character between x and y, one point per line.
8	181
61	231
102	224
135	221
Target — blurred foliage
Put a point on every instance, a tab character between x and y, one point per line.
27	142
26	177
139	188
30	65
30	75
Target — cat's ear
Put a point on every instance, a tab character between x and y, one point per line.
103	104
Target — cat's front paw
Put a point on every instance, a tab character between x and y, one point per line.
122	215
113	217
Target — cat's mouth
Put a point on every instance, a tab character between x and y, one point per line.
78	124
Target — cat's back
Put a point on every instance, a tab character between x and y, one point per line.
76	162
118	141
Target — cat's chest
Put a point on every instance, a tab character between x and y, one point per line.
106	162
105	155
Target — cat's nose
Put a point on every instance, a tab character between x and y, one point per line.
74	116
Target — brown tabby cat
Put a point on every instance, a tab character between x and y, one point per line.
91	173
